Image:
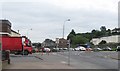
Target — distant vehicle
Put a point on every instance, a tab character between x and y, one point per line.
60	48
89	49
118	48
77	49
71	49
55	49
65	48
80	48
35	50
97	49
46	50
107	49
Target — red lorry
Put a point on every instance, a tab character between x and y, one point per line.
17	45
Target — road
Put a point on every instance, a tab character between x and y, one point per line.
93	60
59	60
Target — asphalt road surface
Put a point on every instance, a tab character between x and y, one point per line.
59	60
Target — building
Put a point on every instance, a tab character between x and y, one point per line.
5	29
62	43
48	43
109	39
116	30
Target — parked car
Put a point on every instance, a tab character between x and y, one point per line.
80	48
97	49
71	49
77	49
55	49
35	50
89	49
60	48
107	49
118	48
65	48
46	50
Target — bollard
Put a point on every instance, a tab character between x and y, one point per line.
8	56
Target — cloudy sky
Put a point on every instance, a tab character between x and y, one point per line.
46	17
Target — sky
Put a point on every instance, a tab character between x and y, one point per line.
41	19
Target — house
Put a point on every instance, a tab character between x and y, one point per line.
108	39
116	30
5	29
48	43
62	43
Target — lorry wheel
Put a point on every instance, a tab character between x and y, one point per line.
26	52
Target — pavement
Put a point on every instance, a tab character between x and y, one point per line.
35	62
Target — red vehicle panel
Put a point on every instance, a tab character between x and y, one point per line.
11	43
16	45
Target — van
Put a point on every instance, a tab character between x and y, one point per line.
118	48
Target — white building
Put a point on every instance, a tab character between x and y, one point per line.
109	39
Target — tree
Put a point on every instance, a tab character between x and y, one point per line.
103	28
109	32
78	39
96	34
72	33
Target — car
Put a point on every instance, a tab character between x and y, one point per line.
107	49
80	48
77	49
71	49
97	49
55	49
46	50
65	48
89	49
118	48
34	50
60	48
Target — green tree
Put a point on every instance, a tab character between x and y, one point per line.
109	32
72	33
103	31
103	28
78	39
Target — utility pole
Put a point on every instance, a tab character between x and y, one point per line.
69	52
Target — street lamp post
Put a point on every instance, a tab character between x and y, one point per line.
67	42
64	26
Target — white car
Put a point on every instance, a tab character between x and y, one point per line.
65	48
80	48
46	50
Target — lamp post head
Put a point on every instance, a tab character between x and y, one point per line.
68	20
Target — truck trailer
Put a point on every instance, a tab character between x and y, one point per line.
17	45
